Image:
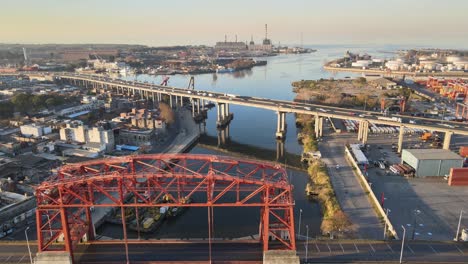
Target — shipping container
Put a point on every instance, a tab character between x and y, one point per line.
458	177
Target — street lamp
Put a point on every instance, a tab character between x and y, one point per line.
307	243
402	243
27	241
300	218
458	228
385	226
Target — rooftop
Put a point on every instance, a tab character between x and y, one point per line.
433	154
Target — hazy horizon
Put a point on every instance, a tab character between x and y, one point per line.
426	23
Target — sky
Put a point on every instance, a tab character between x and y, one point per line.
441	23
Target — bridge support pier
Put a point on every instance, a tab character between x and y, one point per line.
224	117
281	126
447	139
280	257
318	126
55	257
400	138
223	135
279	149
363	131
170	101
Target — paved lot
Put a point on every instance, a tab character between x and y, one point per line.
350	195
362	251
428	204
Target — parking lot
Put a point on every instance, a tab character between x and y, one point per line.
427	207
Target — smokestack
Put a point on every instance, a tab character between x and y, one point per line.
266	31
225	38
236	37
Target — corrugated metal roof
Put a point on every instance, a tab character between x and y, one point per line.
433	154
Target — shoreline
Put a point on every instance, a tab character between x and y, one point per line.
397	73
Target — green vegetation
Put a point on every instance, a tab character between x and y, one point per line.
25	102
319	186
334	219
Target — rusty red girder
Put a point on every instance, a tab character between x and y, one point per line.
64	201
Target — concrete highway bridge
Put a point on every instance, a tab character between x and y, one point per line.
281	107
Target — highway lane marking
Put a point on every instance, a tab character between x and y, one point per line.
461	251
329	249
357	249
341	247
410	249
21	259
318	249
435	251
389	247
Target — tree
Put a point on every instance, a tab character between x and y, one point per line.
167	113
6	109
339	222
50	102
22	102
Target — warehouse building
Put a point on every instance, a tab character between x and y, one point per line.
431	162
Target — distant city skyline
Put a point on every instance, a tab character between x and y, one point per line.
424	22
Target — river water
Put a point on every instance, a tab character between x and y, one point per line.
254	127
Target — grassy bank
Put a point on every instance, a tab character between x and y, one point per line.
319	186
249	151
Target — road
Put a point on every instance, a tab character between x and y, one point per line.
335	251
350	194
272	104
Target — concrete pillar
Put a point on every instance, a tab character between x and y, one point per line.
400	138
365	132
203	104
219	112
359	134
283	121
321	126
447	139
316	126
170	100
193	108
278	125
228	132
223	111
227	110
198	105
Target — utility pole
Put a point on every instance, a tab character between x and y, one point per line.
299	229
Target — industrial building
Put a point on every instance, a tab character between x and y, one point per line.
431	162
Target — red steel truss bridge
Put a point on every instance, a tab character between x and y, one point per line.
64	201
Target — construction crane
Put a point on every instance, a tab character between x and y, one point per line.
191	84
401	102
165	80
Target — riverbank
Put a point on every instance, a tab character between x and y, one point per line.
319	187
458	74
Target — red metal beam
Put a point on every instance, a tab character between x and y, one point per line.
148	178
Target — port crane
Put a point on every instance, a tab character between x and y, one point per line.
191	84
165	80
